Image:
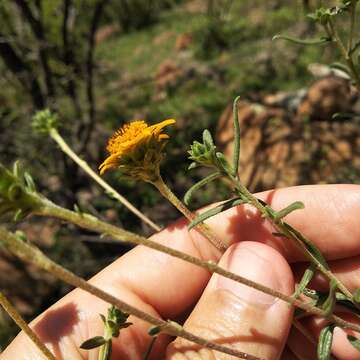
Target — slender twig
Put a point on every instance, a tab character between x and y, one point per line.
10	309
92	223
202	228
30	253
109	190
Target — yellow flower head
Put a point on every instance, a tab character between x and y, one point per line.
136	149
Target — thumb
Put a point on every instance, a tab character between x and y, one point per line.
238	316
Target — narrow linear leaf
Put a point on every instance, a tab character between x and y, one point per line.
313	250
149	349
322	40
93	343
30	184
355	48
236	154
343	116
198	185
286	211
216	210
305	280
193	165
343	68
356	295
328	305
354	342
223	163
344	301
325	342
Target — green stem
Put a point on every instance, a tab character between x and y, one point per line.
280	226
5	303
30	253
92	223
202	228
331	31
105	350
352	25
149	349
109	189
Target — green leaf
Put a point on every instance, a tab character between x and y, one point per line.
198	185
154	330
354	342
216	210
355	48
294	206
356	295
343	300
30	184
208	140
313	250
93	343
103	318
325	342
236	154
223	163
306	278
328	305
322	40
193	165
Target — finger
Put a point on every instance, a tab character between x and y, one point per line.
341	348
239	316
346	270
330	220
151	280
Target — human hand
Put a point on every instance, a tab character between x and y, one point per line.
220	309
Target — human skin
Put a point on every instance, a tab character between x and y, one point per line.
209	305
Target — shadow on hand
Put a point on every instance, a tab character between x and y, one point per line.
56	324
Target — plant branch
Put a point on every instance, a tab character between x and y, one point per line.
92	223
10	309
109	190
33	255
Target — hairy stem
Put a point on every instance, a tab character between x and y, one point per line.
109	190
30	253
202	228
10	309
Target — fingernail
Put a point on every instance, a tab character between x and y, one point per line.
248	263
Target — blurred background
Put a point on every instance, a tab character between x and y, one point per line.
101	63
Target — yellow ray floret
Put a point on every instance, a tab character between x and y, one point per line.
129	138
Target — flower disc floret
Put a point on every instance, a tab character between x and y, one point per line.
136	149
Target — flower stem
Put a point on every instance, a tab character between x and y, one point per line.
108	189
30	253
10	309
202	228
92	223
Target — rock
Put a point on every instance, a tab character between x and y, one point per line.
183	41
280	149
